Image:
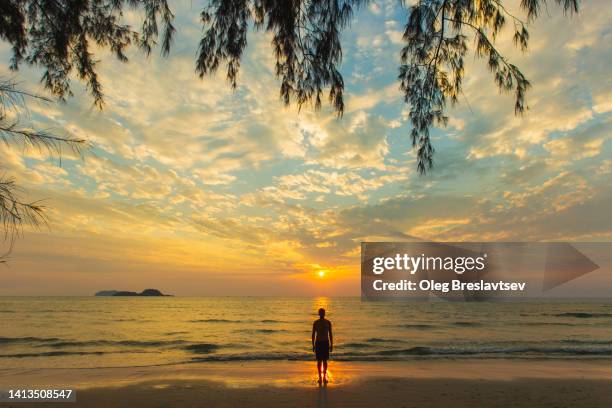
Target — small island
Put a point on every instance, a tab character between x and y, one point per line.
146	292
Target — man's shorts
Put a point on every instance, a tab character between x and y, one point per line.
322	350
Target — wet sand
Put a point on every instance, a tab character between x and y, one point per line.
457	383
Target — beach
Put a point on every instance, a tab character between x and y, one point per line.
465	383
249	352
349	203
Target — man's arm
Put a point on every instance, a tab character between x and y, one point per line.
313	335
331	338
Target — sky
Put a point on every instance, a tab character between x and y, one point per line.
196	189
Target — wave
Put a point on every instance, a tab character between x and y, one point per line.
547	324
425	326
202	348
129	343
238	321
356	345
523	350
55	342
262	331
420	326
588	342
214	321
466	324
273	321
59	354
379	340
583	315
360	351
9	340
365	352
256	357
418	352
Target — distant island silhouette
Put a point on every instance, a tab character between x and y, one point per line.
146	292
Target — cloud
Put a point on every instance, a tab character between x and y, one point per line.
195	185
359	141
375	8
395	36
347	183
579	145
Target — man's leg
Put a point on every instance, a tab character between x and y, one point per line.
319	362
325	370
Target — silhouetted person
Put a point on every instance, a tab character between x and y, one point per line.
322	342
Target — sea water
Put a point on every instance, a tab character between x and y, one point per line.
129	331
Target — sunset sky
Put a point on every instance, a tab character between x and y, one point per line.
195	189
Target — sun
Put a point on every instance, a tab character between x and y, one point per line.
321	274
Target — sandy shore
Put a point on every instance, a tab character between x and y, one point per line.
458	383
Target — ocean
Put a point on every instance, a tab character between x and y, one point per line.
71	332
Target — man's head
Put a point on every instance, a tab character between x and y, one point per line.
321	313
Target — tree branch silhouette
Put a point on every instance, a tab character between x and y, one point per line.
58	36
15	213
